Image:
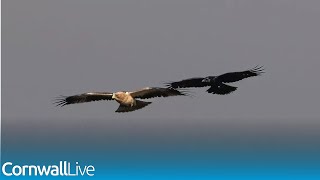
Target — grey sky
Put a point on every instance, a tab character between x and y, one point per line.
66	47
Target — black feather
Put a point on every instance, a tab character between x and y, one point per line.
186	83
237	76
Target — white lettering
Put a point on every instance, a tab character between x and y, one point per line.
4	169
54	170
44	170
34	168
14	170
62	169
61	173
90	168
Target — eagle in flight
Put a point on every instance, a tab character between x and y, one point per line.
127	100
217	83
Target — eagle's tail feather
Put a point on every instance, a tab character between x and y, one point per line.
139	105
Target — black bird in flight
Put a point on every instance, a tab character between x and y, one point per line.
217	83
127	100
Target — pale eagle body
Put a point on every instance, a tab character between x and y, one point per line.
217	83
127	100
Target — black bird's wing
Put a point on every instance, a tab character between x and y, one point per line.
151	92
82	98
186	83
237	76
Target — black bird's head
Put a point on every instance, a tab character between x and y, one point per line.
209	79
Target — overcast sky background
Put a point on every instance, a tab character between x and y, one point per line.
67	47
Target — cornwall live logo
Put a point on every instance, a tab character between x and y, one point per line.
63	168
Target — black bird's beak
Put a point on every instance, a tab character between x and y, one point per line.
205	80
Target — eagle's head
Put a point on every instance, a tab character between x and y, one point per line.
119	95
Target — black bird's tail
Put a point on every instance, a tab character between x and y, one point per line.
221	89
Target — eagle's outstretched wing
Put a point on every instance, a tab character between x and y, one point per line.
186	83
82	98
151	92
237	76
